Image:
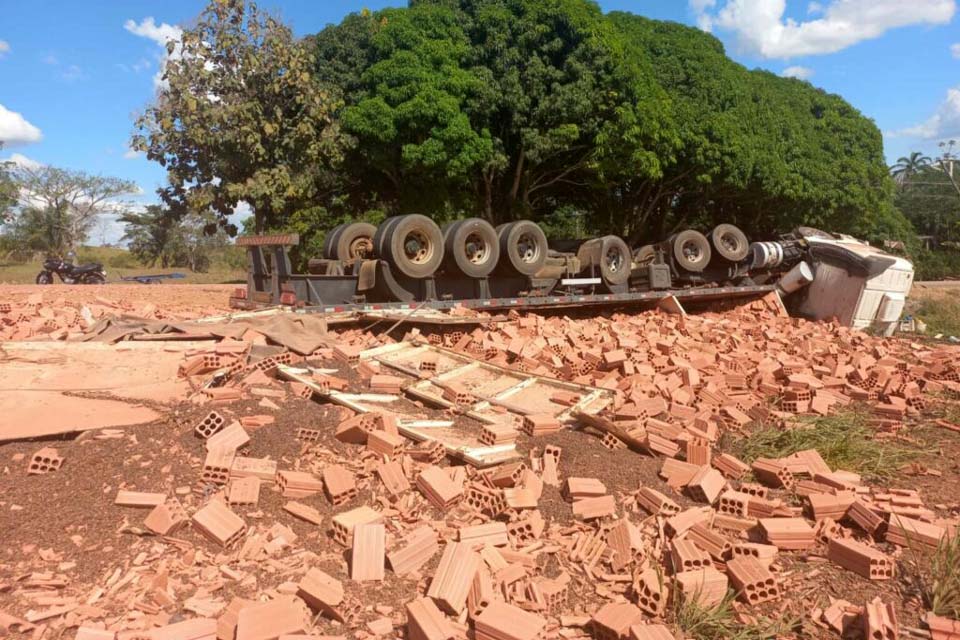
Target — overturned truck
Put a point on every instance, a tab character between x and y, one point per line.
408	261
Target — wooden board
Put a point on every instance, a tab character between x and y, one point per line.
496	388
457	441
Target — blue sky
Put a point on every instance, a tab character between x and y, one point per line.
73	74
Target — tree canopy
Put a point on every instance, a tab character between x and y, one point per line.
241	119
522	107
56	208
541	109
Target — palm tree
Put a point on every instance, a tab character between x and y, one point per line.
906	167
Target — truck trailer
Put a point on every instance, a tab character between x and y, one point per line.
409	262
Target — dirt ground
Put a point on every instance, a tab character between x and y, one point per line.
172	297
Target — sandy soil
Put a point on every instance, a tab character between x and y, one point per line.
171	297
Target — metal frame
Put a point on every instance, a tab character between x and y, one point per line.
266	282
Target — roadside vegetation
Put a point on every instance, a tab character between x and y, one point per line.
844	440
720	622
226	265
940	313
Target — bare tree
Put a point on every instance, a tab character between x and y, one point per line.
72	200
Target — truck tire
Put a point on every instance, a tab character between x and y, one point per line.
328	241
352	241
380	234
730	242
614	260
523	248
471	246
413	244
691	250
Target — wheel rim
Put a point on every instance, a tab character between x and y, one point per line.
730	243
527	248
692	251
614	260
361	248
476	249
417	247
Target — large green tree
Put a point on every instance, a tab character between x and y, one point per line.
500	109
241	119
522	108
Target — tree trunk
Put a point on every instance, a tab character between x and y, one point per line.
517	175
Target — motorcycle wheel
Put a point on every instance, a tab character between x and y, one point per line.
94	278
44	277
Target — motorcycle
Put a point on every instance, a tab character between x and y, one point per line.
90	273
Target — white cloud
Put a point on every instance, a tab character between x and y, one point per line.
130	154
51	59
815	8
761	27
4	48
71	73
14	128
798	72
944	123
161	34
23	161
955	50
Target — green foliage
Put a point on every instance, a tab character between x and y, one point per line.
156	236
929	199
523	108
943	593
62	209
499	110
844	440
8	190
242	119
937	264
508	109
149	235
941	314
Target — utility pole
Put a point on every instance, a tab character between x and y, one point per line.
946	162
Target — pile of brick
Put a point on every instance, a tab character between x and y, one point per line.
710	373
473	544
35	318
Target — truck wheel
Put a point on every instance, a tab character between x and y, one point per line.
471	246
523	247
328	242
380	234
730	242
614	260
414	245
691	250
354	240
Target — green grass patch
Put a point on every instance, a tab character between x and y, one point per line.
844	440
942	592
935	575
941	314
720	622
